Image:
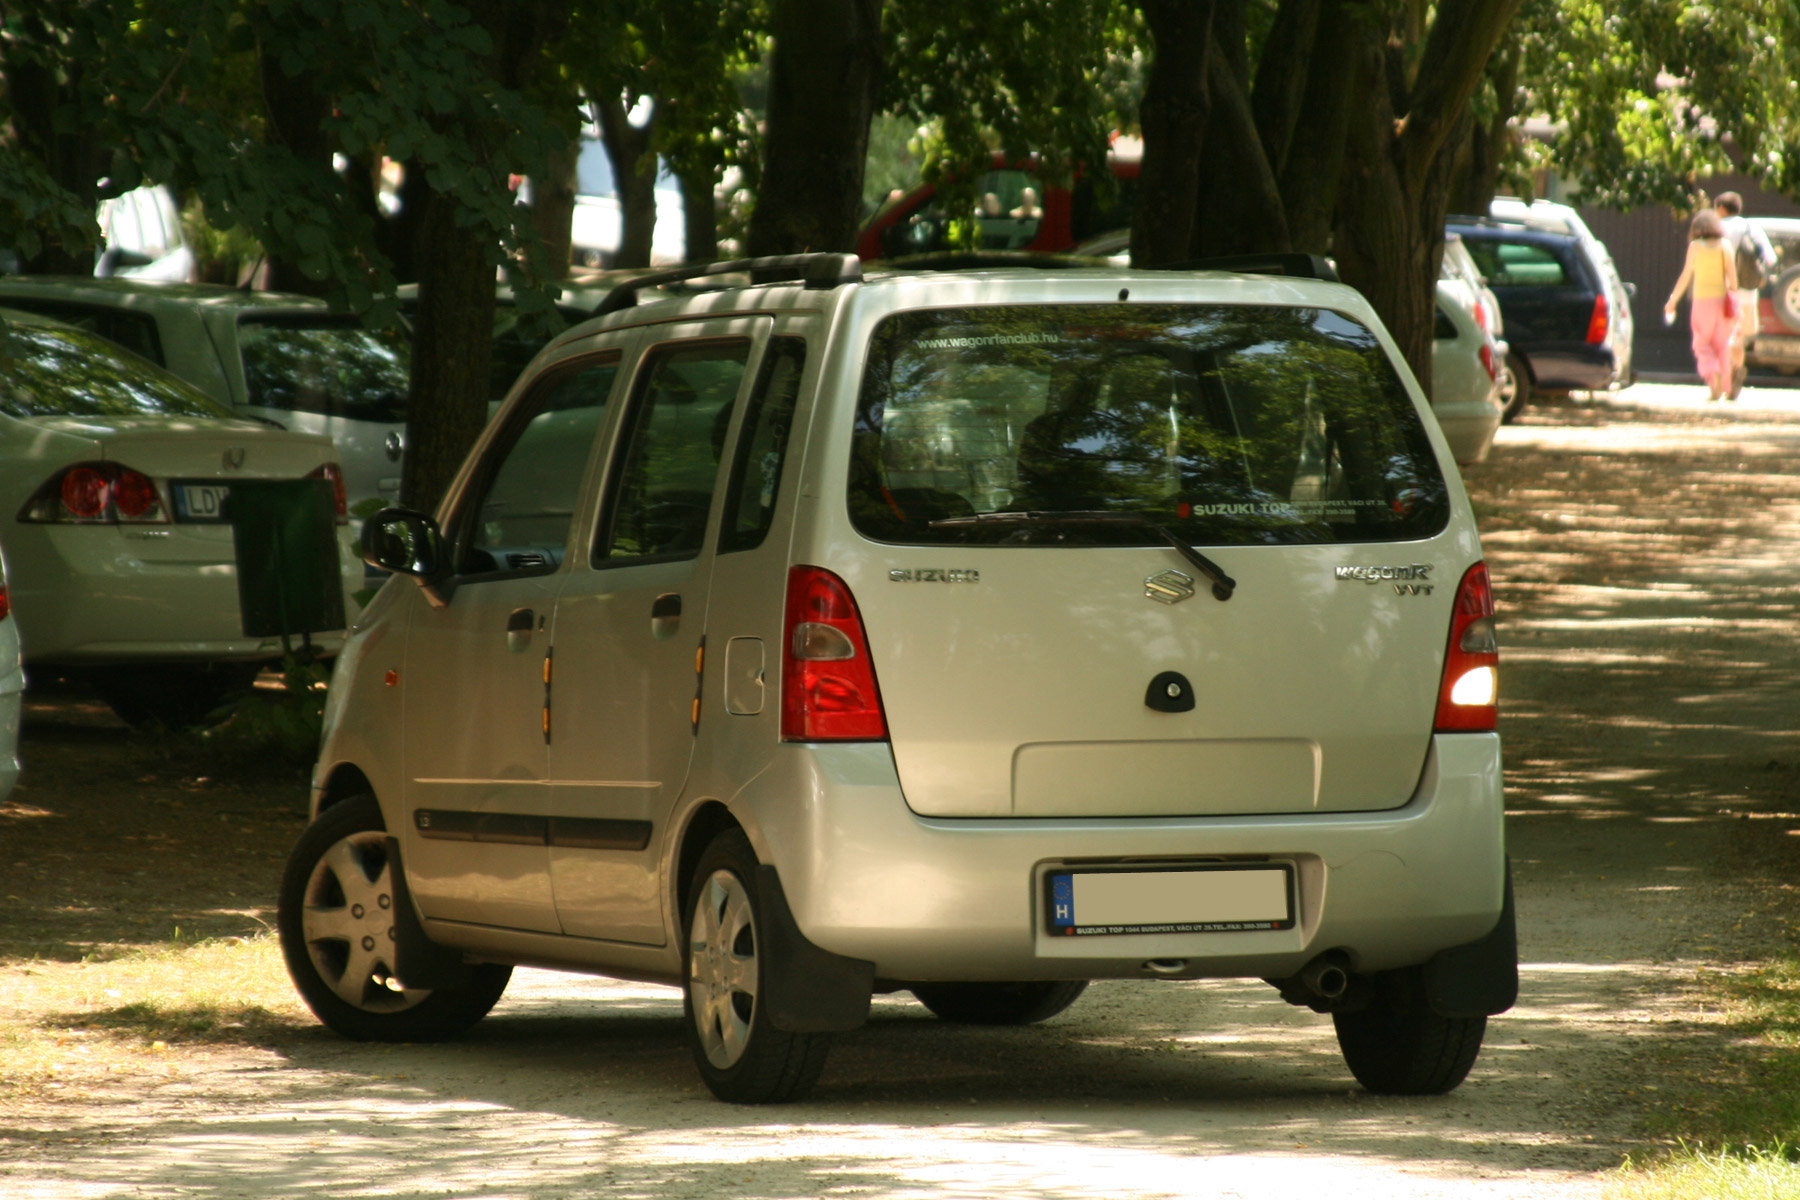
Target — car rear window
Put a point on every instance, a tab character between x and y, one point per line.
332	367
1224	424
47	371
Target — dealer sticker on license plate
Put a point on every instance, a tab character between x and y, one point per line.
201	501
1222	899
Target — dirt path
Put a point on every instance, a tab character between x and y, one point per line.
1643	558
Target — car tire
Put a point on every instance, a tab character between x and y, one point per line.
1784	297
999	1003
1523	388
742	1057
336	926
173	695
1396	1045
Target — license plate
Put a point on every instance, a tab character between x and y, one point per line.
1224	899
201	501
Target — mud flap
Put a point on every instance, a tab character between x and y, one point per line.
1479	978
419	962
806	989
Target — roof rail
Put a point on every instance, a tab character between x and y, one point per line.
1300	266
816	271
977	260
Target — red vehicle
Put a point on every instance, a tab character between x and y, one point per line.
1014	210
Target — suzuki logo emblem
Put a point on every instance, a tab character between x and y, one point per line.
1170	587
233	458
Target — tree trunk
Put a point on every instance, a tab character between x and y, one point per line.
1313	167
1403	142
453	341
296	113
634	170
700	212
74	159
1281	77
824	76
553	208
1240	204
1173	116
1484	154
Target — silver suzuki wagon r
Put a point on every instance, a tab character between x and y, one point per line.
973	632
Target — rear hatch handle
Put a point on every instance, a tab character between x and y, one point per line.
1223	585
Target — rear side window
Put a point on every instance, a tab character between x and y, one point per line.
331	367
1224	424
48	372
762	447
1518	264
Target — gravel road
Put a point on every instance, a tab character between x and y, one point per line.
1642	555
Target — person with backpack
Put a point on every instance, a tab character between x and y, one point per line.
1712	316
1755	259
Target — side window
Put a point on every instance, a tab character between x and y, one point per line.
762	447
663	486
518	517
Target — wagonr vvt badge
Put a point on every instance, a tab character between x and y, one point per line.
977	633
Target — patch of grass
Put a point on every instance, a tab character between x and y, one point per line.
1752	1173
71	1025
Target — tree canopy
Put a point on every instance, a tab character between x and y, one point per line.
1341	127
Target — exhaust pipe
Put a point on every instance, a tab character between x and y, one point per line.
1321	985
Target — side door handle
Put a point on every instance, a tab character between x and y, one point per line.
665	615
519	624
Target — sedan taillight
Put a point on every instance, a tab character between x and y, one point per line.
5	602
96	493
1469	694
334	473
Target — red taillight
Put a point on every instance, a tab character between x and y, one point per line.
1481	315
84	493
1597	323
96	493
334	473
1487	360
5	602
828	691
1469	695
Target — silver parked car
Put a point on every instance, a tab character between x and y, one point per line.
976	633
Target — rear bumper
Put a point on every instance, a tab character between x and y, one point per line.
935	899
105	594
1561	366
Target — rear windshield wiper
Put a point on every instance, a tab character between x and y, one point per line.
1223	585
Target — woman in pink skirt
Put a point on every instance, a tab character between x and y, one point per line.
1713	272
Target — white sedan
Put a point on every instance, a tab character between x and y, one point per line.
115	484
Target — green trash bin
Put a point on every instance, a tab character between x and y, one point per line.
285	532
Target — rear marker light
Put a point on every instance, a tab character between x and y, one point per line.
828	688
1469	694
96	493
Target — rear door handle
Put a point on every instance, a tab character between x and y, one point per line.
665	615
519	624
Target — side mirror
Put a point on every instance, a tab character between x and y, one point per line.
404	542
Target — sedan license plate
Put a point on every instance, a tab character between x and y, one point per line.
201	501
1223	899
